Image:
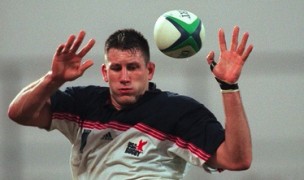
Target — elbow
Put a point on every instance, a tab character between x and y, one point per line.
242	164
246	161
12	113
245	165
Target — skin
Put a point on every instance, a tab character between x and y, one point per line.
235	153
31	106
128	77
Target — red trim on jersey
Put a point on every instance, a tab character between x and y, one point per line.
140	126
90	124
178	141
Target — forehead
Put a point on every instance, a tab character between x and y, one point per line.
124	56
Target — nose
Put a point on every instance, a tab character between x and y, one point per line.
125	78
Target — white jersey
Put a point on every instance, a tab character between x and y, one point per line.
149	140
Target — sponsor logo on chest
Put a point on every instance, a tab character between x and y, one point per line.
135	149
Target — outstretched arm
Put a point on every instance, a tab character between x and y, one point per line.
235	153
31	106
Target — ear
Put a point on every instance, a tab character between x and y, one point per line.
151	69
104	73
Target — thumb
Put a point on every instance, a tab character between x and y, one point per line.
210	60
210	57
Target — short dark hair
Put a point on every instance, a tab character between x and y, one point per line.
128	39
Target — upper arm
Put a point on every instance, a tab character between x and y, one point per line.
44	119
216	161
41	118
223	160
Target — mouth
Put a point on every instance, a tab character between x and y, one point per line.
125	91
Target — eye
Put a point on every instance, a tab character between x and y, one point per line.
115	67
132	66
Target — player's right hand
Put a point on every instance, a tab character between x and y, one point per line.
67	64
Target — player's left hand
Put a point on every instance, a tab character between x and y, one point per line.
230	63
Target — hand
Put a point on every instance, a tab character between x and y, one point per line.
230	63
67	65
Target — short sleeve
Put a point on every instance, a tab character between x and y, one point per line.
65	115
200	129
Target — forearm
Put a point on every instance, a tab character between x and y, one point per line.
30	101
237	133
235	153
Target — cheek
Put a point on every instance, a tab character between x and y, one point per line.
141	77
112	76
141	81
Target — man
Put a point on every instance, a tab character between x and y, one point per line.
131	129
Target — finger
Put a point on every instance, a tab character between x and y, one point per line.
247	52
78	41
212	65
87	48
59	49
68	44
210	57
87	64
222	40
234	41
210	60
242	46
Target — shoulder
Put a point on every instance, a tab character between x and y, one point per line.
176	98
177	104
80	93
86	89
78	99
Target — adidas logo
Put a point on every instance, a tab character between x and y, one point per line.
107	136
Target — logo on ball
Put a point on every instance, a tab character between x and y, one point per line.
179	33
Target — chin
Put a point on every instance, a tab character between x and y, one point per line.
125	101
